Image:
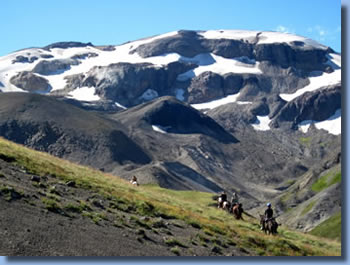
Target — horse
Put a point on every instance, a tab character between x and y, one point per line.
237	211
220	202
226	205
133	181
269	226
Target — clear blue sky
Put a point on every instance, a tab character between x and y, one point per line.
28	23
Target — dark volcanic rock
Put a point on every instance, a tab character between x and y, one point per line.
190	44
232	83
67	44
205	87
46	56
186	43
66	131
229	48
260	108
54	66
30	82
286	56
317	105
128	83
84	55
105	106
180	118
24	59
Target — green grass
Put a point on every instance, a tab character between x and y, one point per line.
308	208
172	242
326	181
175	250
10	193
191	207
77	208
331	228
51	205
306	141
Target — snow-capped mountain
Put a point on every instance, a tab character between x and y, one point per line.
254	112
204	68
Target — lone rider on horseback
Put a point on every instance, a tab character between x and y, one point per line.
222	198
268	214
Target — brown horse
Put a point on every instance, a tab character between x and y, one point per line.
237	211
269	226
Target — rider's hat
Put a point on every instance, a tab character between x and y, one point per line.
268	204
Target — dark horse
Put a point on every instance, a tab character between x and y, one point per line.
269	226
237	211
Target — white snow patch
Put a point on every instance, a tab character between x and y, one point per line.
120	105
334	60
230	34
316	82
149	94
322	80
209	62
137	43
332	125
179	94
9	69
103	58
264	37
216	103
244	102
262	123
160	129
304	126
84	94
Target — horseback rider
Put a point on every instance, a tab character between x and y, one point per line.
222	199
234	198
268	214
134	181
223	196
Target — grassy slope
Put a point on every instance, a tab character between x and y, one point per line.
331	228
196	208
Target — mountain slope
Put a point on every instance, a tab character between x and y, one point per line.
195	66
87	213
268	111
47	124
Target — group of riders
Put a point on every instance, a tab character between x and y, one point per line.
267	221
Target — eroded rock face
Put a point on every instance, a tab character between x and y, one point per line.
67	44
30	82
84	55
54	66
190	44
317	105
185	43
126	83
205	87
24	59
